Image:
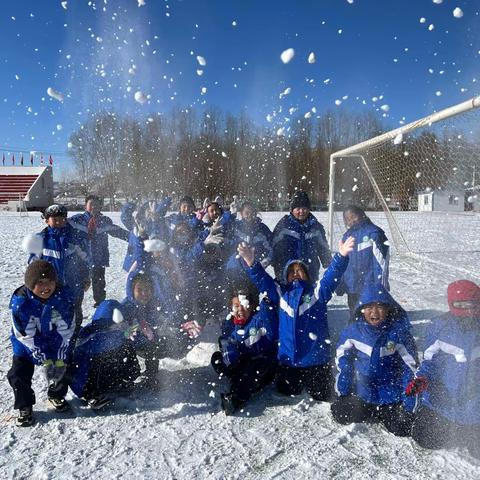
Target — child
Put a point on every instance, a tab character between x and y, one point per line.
42	326
300	236
104	362
376	358
369	262
67	250
304	344
447	381
248	349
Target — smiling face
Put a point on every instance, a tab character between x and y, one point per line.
56	222
296	271
44	288
142	292
186	208
301	213
213	211
375	314
241	310
93	206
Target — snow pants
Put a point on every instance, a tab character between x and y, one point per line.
98	285
20	378
433	431
317	381
248	376
351	409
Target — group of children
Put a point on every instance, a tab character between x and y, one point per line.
186	267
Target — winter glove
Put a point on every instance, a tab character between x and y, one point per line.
216	239
416	386
193	329
54	370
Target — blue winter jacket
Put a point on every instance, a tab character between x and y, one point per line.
41	330
100	256
68	252
303	328
176	218
369	261
377	362
306	241
451	364
101	336
258	338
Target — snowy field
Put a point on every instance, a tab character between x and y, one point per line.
180	431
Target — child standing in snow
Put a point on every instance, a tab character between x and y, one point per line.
447	381
248	349
376	359
304	344
42	326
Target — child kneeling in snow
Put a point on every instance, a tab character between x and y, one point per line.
376	359
42	327
248	349
104	361
447	381
304	344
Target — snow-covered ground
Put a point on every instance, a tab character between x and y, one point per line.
180	431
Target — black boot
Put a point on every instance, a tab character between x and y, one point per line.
25	417
230	403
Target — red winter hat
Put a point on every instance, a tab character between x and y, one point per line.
464	291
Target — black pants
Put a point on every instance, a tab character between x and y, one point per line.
112	371
352	303
351	409
98	284
20	379
248	376
317	381
152	352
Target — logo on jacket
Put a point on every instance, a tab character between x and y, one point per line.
365	238
306	298
252	332
390	346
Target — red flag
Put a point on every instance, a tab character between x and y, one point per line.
13	159
21	160
50	160
31	159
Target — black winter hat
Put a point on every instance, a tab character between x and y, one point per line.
300	199
37	270
189	200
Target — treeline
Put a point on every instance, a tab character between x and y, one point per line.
211	153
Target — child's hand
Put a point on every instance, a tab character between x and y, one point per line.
193	329
344	248
247	253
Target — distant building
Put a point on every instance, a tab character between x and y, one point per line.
441	201
28	188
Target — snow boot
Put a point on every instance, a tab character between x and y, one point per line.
230	403
59	404
25	417
100	402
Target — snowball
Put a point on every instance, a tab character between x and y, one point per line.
398	139
338	102
234	23
201	61
287	55
385	108
438	93
423	20
224	155
199	72
140	97
431	27
141	3
59	127
281	132
418	174
354	188
312	336
311	58
64	5
308	115
458	12
204	90
54	94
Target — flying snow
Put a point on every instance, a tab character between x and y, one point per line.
385	108
458	12
431	27
311	58
141	3
398	139
338	102
438	2
285	92
64	5
418	174
140	97
201	61
281	132
54	94
287	55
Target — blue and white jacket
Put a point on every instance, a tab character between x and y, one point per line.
377	362
451	364
102	336
176	218
303	329
69	253
258	338
300	241
42	330
100	256
369	261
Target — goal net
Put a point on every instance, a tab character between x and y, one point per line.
420	183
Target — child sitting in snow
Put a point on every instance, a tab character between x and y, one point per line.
447	381
42	326
104	362
248	349
304	344
376	358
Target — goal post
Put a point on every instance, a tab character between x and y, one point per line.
416	182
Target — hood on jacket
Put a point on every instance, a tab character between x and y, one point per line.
290	262
376	293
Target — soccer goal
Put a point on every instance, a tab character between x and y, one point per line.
419	182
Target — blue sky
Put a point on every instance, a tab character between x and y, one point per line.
364	50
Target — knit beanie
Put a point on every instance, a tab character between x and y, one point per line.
463	291
300	199
38	270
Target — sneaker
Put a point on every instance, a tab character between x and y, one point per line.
59	404
97	403
25	417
